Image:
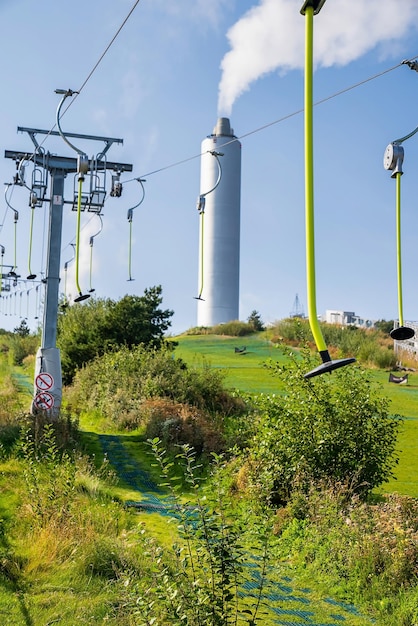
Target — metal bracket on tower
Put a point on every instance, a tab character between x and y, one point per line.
413	65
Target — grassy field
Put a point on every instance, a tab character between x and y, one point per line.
246	372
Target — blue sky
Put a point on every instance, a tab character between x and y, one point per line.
174	68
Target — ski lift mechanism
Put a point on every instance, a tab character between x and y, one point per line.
92	238
82	169
92	201
201	202
130	216
392	161
116	190
39	187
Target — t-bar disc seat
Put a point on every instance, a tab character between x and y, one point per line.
401	333
328	365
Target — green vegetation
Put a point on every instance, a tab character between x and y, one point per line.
145	387
251	497
358	551
256	322
19	345
87	331
242	370
234	328
373	348
335	431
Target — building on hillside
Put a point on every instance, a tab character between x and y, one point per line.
349	318
346	318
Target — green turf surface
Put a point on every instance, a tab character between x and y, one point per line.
245	370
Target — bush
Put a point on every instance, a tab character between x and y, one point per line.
21	347
118	383
177	424
335	428
234	328
203	575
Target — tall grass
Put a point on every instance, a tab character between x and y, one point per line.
362	552
371	347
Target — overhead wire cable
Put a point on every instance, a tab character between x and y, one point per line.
106	49
251	132
281	119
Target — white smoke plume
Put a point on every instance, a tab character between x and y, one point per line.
270	37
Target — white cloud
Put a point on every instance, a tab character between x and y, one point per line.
271	36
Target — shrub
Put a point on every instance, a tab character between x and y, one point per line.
176	424
372	347
201	577
234	328
334	428
102	325
117	384
21	347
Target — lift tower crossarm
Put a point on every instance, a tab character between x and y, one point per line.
69	164
32	132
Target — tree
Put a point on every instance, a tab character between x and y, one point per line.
335	429
23	329
255	320
89	330
384	326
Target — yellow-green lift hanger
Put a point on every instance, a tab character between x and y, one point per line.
309	9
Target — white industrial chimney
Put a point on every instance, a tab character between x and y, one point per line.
220	236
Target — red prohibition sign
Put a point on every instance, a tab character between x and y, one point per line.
44	381
44	401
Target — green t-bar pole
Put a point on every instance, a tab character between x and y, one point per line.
77	240
309	187
398	246
309	9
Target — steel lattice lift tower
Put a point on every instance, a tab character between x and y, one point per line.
48	357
